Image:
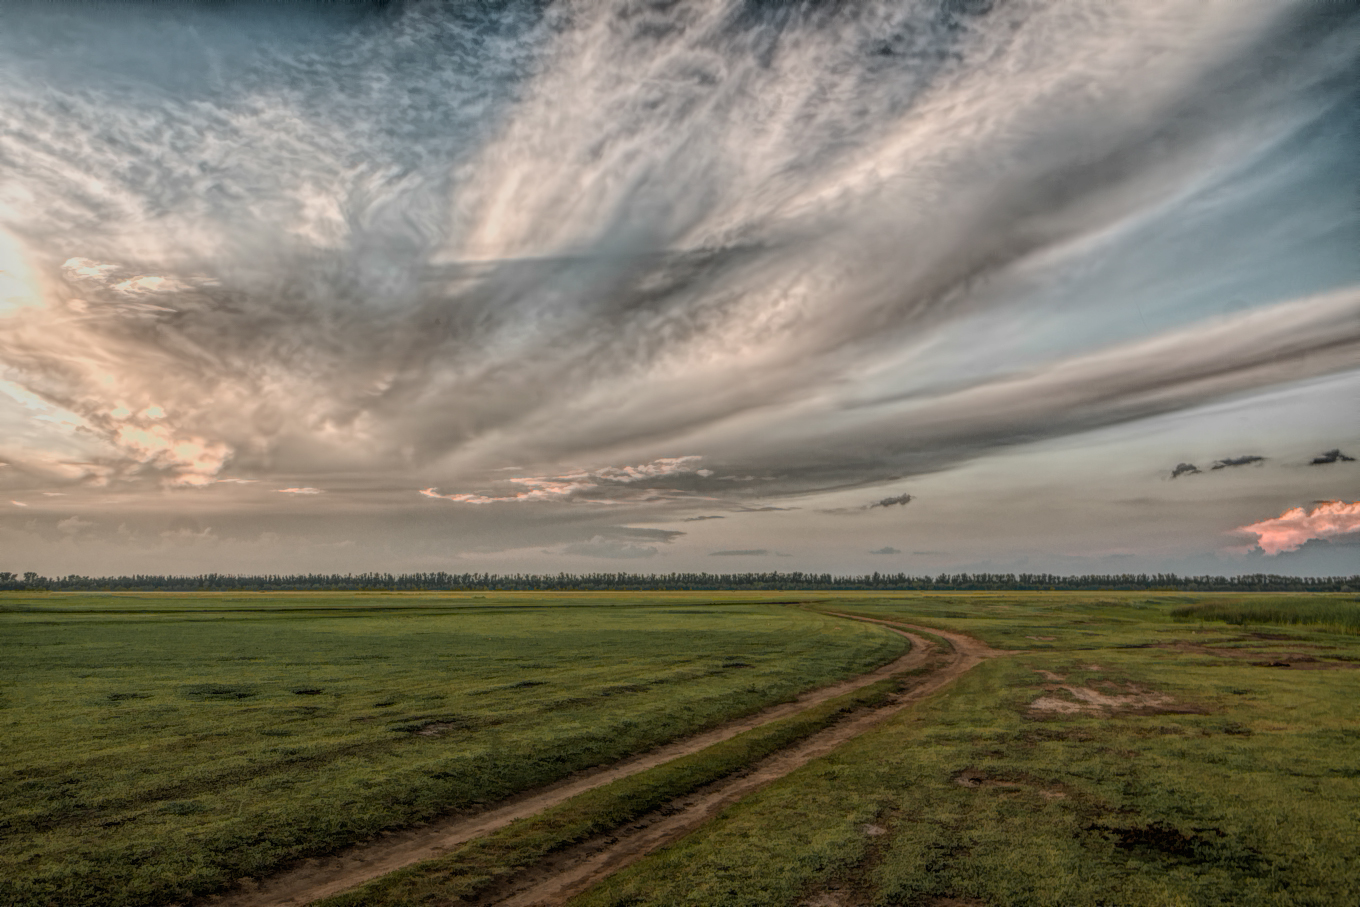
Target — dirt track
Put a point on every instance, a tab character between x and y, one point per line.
571	872
577	868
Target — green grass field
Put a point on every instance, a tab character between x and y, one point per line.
1132	749
469	870
156	747
1130	754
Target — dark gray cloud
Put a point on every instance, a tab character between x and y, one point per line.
654	535
1247	460
697	519
1331	456
900	500
887	549
1184	469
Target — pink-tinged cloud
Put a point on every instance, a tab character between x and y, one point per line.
570	487
189	461
538	490
1292	528
298	490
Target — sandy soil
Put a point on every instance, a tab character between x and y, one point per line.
313	879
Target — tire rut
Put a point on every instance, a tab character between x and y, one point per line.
316	878
568	873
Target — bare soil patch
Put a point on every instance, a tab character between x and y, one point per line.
1129	699
1267	657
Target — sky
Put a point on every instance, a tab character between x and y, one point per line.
719	285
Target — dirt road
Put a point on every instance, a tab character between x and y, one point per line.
317	878
574	870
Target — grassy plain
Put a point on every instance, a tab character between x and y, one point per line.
469	870
1127	752
158	746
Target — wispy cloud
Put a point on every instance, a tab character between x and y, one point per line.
574	239
599	546
611	484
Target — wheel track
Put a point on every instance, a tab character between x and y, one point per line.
556	880
317	878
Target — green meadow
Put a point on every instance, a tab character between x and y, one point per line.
1132	749
1126	749
159	746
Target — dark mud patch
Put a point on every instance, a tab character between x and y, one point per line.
1205	846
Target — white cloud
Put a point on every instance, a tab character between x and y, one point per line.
73	525
598	546
87	269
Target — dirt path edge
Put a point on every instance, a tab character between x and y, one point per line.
319	877
564	875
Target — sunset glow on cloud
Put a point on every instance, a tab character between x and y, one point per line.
1291	529
600	481
770	261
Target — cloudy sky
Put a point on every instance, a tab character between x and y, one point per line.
924	285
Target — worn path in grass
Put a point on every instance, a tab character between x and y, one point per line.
313	879
572	871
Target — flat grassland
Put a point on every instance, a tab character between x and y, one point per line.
1133	749
156	747
1128	749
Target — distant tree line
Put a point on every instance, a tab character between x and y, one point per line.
659	582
